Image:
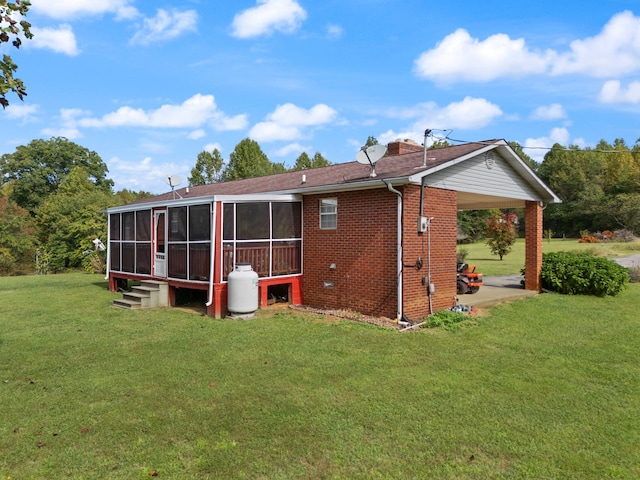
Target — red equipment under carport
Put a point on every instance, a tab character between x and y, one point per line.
468	280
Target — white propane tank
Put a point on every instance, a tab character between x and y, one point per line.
242	290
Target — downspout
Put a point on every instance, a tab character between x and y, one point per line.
399	240
212	250
107	270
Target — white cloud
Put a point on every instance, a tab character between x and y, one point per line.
222	123
284	16
196	134
612	92
270	132
144	174
21	111
554	111
67	124
60	39
288	121
66	132
290	114
165	26
292	148
210	147
66	9
192	113
459	57
467	114
334	31
614	51
536	148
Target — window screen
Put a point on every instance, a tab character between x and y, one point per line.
229	224
128	226
114	226
178	224
143	226
199	223
252	221
286	220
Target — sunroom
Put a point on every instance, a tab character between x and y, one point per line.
196	243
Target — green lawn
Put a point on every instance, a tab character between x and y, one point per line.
488	264
545	387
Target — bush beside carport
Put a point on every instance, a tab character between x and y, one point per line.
582	273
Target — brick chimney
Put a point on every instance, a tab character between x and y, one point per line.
400	147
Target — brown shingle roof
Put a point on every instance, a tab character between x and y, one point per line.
339	175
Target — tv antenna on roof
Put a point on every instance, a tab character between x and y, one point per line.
370	155
173	181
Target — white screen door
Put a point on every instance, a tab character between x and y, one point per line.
160	244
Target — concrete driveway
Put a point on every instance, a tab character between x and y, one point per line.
502	288
496	289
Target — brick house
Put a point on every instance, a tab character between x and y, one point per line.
339	237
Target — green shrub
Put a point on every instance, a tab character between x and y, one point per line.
461	255
582	273
445	319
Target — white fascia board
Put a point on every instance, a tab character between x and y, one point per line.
180	202
258	197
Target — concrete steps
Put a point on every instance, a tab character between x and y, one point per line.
149	294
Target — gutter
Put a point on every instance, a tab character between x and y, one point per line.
212	249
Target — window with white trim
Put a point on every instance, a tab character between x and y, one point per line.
328	213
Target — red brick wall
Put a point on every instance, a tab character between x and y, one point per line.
364	250
442	206
533	246
400	147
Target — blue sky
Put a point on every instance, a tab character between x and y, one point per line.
148	84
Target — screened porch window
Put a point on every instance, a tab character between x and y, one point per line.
130	242
268	235
189	245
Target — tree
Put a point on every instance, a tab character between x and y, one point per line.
527	159
126	196
303	162
36	171
248	160
472	224
10	30
319	161
371	141
208	168
501	230
70	219
17	239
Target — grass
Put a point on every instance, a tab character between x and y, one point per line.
546	387
488	264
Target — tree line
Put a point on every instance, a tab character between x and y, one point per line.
53	194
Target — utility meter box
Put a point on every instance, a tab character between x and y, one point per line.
422	224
